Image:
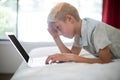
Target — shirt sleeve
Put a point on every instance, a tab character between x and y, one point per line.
100	38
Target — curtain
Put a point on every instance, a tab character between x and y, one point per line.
111	12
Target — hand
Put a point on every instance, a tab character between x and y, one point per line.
53	31
64	57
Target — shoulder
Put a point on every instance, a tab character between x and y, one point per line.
91	23
91	20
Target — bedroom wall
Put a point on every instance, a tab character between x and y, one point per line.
9	57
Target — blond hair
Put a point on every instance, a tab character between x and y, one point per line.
60	11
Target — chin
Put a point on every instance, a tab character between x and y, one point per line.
70	37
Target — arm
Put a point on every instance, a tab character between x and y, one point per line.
64	49
59	43
104	57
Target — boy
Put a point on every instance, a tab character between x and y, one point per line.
100	39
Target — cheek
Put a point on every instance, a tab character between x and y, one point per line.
71	30
68	32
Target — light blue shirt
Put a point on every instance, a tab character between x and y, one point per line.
96	35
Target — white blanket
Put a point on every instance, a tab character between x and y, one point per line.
67	71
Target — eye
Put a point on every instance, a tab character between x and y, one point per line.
58	28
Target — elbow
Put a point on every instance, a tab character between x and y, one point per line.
104	61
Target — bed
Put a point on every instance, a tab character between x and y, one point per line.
67	71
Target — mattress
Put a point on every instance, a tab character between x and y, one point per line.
67	71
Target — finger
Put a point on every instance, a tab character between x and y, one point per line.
48	60
52	61
49	29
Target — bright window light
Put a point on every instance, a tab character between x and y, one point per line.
32	17
8	17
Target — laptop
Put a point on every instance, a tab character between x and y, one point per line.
32	62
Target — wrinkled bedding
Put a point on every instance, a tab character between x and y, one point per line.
67	71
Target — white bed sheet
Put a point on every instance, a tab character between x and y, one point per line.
67	71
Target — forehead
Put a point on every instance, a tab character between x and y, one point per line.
50	24
59	22
55	23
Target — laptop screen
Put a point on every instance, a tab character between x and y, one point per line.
19	47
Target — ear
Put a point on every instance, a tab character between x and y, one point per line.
69	18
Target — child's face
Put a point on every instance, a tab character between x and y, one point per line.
65	28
